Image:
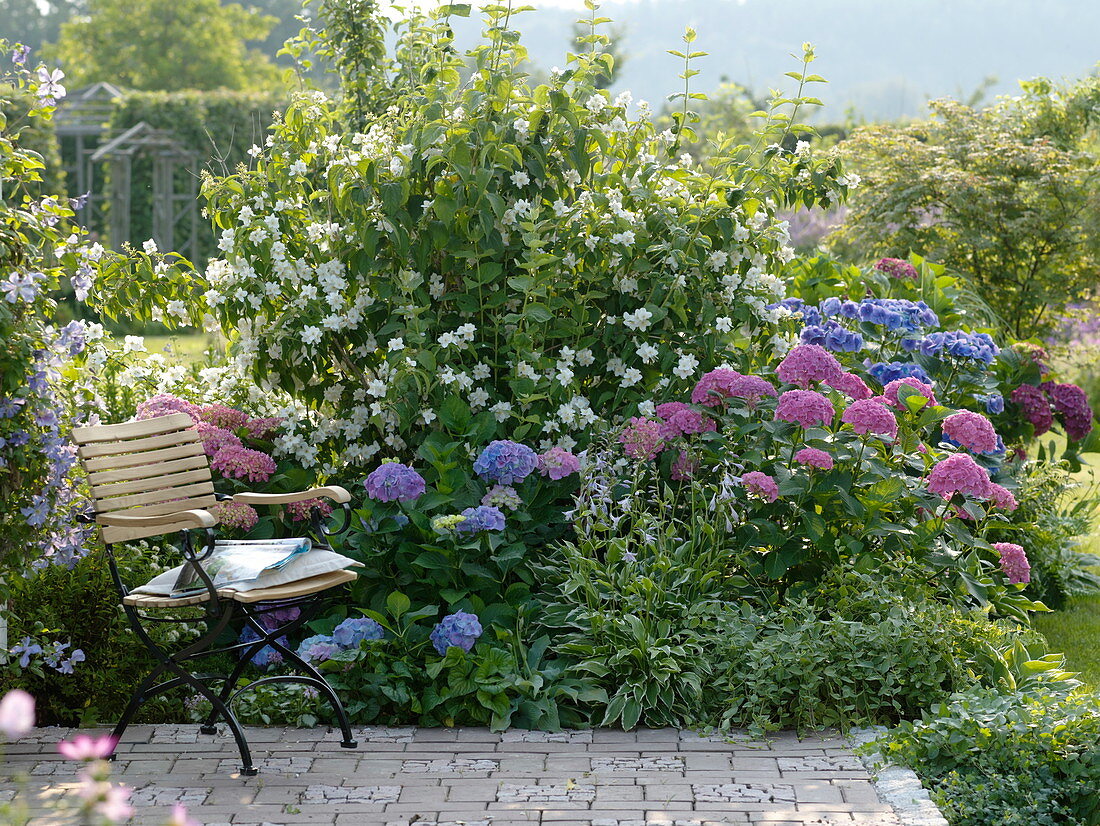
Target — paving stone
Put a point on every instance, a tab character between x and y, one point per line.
744	793
167	796
820	763
518	736
351	794
618	764
536	793
454	766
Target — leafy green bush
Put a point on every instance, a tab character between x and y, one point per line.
81	606
1051	521
1008	759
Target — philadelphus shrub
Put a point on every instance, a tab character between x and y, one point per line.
494	258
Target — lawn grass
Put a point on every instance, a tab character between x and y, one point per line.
185	348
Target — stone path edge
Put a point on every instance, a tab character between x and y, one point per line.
897	785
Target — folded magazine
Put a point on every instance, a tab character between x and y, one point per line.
237	561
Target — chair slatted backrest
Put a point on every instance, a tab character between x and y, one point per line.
148	468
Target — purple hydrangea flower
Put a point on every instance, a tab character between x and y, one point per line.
481	518
354	630
394	481
506	462
460	630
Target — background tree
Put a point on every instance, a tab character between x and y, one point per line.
613	48
1008	194
35	22
166	45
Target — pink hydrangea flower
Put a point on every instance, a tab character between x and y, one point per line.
235	515
678	419
851	386
808	363
164	403
869	416
761	484
971	430
683	468
221	416
243	463
1013	561
891	392
642	439
959	473
557	463
302	511
1002	497
897	268
214	438
805	408
263	428
720	384
813	457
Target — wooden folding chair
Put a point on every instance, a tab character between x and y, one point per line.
152	477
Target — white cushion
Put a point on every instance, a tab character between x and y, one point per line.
302	566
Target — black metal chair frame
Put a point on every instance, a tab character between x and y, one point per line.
218	615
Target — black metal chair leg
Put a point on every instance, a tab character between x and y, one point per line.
337	706
137	699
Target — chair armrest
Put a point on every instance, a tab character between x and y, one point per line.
334	492
192	518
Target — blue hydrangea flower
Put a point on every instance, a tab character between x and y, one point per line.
354	630
265	656
886	373
994	403
459	629
318	648
506	462
960	344
481	518
830	307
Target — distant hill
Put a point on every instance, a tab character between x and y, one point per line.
884	58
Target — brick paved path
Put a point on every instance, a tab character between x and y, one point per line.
432	777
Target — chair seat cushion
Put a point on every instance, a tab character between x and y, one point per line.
312	563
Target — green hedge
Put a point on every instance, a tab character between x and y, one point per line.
219	126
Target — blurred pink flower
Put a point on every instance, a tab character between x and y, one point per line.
83	747
16	713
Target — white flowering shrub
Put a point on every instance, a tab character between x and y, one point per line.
496	259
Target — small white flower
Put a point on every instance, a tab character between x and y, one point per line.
685	368
150	247
564	376
646	408
481	372
525	371
395	344
427	415
630	377
802	148
638	320
647	353
521	178
723	324
478	398
850	180
377	388
501	410
311	335
298	168
585	357
134	344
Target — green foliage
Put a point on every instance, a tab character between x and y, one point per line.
502	682
81	606
1007	195
1008	759
166	45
